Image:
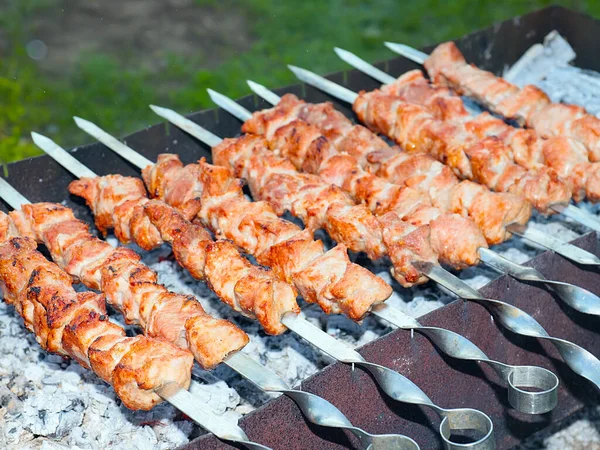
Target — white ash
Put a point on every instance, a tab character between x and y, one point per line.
581	435
548	67
47	403
51	402
540	60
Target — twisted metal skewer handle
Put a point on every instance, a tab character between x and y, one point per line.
546	383
321	412
516	377
402	389
576	297
518	321
397	386
316	409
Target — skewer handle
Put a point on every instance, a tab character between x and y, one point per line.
518	321
316	409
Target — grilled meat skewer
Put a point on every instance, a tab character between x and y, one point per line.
484	161
565	155
301	151
250	290
529	106
76	325
342	147
130	286
392	383
569	251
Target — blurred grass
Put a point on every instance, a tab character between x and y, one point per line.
117	95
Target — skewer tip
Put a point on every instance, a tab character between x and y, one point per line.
213	94
81	122
392	45
40	139
165	113
159	110
408	52
263	92
340	51
254	85
232	107
302	74
297	70
324	84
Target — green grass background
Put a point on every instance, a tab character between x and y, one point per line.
299	32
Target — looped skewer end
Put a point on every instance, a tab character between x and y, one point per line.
395	385
454	421
546	383
518	321
541	401
316	409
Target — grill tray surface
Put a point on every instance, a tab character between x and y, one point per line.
279	423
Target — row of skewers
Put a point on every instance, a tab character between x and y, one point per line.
313	162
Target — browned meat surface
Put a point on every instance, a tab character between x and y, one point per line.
131	287
148	223
530	106
567	156
76	325
251	290
487	161
330	279
430	182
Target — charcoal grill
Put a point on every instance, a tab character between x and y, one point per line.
279	423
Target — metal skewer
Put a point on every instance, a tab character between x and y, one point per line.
514	319
577	297
180	398
585	301
316	409
571	211
395	385
564	249
449	342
